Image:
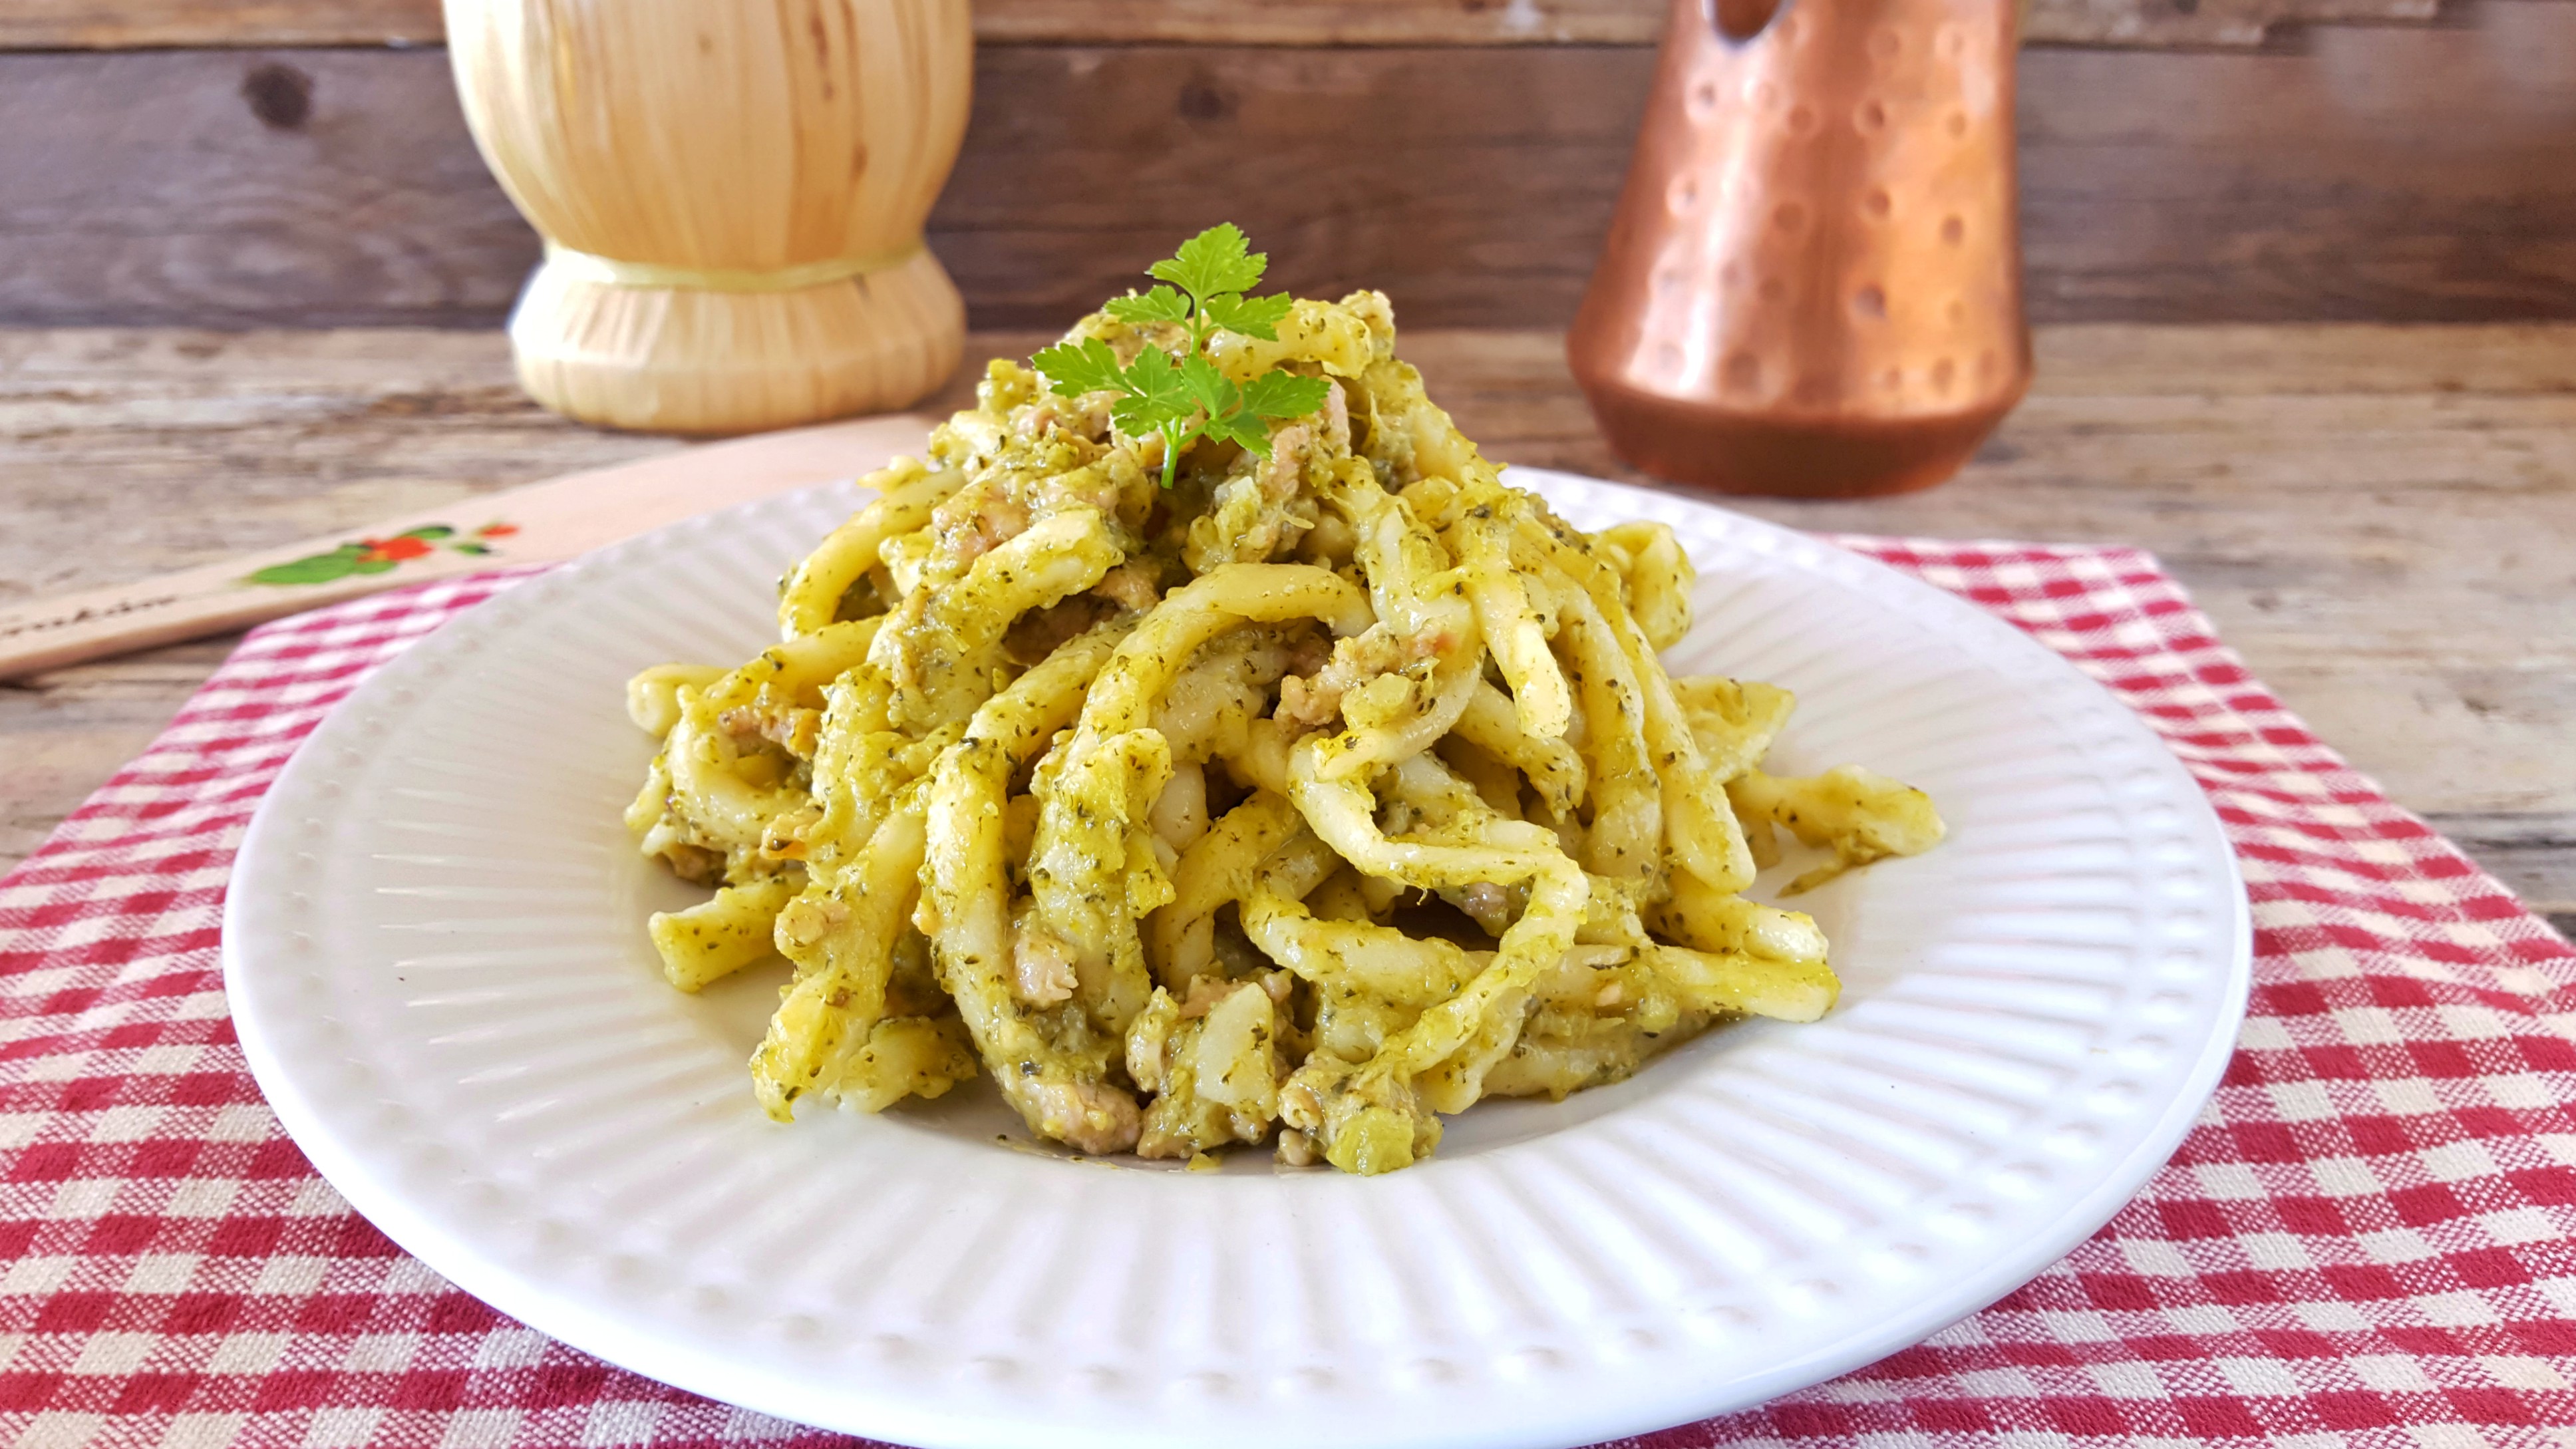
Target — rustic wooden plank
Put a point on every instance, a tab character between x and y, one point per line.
233	201
123	24
2378	518
1322	22
63	739
2151	23
2535	855
135	24
227	442
2205	23
2358	359
2426	175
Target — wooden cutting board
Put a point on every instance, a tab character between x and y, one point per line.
546	522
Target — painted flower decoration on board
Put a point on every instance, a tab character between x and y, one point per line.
377	555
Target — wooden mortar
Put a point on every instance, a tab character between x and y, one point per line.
731	198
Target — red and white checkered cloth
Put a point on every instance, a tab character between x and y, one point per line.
2367	1240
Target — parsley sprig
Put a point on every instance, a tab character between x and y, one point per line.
1187	399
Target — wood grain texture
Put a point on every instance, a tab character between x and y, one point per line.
561	517
130	24
233	202
2375	174
2379	518
109	24
734	139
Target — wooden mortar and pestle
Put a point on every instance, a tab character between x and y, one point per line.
731	198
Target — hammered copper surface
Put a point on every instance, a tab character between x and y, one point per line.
1813	281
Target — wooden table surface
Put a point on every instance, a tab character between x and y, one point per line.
2381	519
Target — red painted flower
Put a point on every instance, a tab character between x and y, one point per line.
496	530
393	550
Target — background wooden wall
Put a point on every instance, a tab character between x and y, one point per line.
303	162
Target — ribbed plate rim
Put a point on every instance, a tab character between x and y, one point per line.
939	1415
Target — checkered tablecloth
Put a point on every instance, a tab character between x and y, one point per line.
2367	1240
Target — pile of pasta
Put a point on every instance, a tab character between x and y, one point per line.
1312	798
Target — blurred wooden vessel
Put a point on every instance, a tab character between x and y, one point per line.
732	199
1813	280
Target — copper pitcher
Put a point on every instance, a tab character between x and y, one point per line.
1813	280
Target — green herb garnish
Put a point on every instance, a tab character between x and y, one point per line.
1189	399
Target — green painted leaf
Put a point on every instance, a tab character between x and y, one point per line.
1284	395
434	530
1074	368
1252	316
371	566
472	548
321	568
1216	260
1161	304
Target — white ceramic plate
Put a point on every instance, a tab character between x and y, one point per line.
436	955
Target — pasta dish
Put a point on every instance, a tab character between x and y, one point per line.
1206	742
